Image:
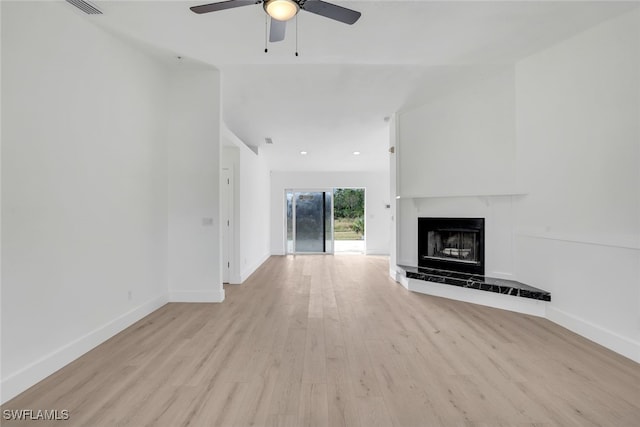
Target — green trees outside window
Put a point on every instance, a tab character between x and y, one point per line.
348	208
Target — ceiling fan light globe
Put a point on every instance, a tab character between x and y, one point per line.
281	10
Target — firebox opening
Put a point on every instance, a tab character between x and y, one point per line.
455	244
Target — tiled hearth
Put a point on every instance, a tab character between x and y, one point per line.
473	281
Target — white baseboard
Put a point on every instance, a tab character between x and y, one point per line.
611	340
501	275
31	374
375	252
475	296
404	281
249	271
399	275
197	296
235	279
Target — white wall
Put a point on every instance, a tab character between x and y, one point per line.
461	143
376	186
84	188
255	216
578	229
195	239
251	228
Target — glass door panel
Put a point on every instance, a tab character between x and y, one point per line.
309	218
290	196
309	221
328	222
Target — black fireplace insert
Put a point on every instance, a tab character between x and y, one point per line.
454	244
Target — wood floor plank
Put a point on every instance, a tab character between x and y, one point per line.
256	404
314	409
372	412
315	356
332	341
342	405
286	420
222	406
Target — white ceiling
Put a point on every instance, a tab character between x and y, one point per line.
332	99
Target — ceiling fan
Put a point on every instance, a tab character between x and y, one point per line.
281	11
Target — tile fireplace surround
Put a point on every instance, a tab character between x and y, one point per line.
473	281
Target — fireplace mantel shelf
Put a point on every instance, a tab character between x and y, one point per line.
488	194
473	281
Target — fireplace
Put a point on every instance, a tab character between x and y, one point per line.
454	244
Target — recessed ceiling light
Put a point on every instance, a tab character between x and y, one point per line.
304	153
356	153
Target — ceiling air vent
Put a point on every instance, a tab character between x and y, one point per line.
86	7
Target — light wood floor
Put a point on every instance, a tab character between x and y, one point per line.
332	341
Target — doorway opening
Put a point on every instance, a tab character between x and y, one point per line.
309	221
325	221
349	220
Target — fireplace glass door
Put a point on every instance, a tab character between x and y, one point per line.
453	245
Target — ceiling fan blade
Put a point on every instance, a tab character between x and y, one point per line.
331	11
222	5
276	32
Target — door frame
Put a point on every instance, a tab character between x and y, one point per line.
227	196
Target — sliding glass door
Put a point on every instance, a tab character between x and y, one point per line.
309	221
